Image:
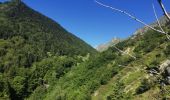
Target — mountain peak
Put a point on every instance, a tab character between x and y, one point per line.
105	46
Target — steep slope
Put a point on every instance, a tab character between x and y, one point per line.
32	68
146	78
27	37
112	75
84	78
19	20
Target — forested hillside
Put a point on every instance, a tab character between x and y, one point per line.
113	75
26	37
39	60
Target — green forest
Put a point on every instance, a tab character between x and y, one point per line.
40	60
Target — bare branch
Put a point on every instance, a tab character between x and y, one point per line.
157	17
167	35
163	8
129	15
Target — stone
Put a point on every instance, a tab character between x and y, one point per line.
168	80
164	65
167	71
153	71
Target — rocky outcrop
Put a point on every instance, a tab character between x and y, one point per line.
165	70
105	46
164	65
167	75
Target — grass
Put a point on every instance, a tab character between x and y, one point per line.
132	76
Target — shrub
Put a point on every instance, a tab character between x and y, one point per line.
167	50
145	86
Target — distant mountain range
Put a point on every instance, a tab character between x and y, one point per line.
103	47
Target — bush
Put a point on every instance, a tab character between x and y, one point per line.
19	85
145	86
167	50
118	92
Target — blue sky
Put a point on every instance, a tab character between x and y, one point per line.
93	23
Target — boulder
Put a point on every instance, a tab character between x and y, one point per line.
164	65
153	71
167	71
168	80
167	75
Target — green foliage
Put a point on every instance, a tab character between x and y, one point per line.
1	85
167	50
32	45
19	85
154	63
118	92
84	78
41	60
145	86
29	36
49	70
39	93
150	41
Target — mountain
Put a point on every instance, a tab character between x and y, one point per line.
27	37
143	78
30	36
114	75
103	47
39	60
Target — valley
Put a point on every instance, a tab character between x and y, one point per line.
40	60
